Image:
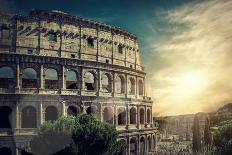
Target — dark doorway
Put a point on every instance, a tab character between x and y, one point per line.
5	115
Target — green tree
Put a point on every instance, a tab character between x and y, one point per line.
207	134
81	135
196	135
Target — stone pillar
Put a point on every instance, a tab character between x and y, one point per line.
101	112
145	116
126	87
41	114
138	144
98	82
136	87
42	77
115	115
128	116
113	85
63	112
63	78
128	144
17	116
138	117
17	78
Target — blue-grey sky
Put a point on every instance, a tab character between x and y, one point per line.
185	45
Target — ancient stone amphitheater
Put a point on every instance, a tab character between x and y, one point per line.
54	64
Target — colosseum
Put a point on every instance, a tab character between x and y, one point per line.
54	64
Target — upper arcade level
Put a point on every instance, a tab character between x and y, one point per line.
57	34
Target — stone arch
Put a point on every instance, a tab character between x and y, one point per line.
148	116
6	77
6	117
133	146
121	116
133	115
51	113
142	145
108	115
5	151
90	81
91	109
72	111
149	144
51	79
106	82
29	119
120	84
29	78
142	116
131	86
140	87
71	79
90	42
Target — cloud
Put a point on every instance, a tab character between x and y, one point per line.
200	45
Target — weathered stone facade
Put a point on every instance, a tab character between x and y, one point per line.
53	64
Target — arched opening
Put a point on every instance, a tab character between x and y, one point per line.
133	116
106	83
29	78
140	87
89	81
142	116
29	117
6	118
72	111
51	79
121	116
132	86
149	144
5	151
51	113
148	116
71	80
108	115
6	77
142	145
120	85
91	110
133	146
90	42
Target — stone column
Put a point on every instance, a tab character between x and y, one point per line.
145	116
128	116
115	116
138	117
42	77
128	144
17	116
63	78
126	87
63	112
101	112
41	114
136	87
17	78
113	85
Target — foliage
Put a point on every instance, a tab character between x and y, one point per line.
196	135
81	135
207	134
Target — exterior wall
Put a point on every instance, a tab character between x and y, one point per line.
29	46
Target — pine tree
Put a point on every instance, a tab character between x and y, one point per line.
196	135
207	134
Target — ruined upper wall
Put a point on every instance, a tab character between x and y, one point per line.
57	34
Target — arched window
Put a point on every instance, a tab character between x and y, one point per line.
6	118
5	151
148	116
29	117
142	116
51	113
106	83
108	115
133	116
89	81
90	42
29	78
142	145
149	144
71	80
72	111
140	87
132	86
121	116
119	84
91	110
133	146
51	79
6	77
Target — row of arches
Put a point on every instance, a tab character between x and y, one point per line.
29	115
30	79
143	145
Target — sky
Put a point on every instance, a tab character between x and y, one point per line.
186	45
